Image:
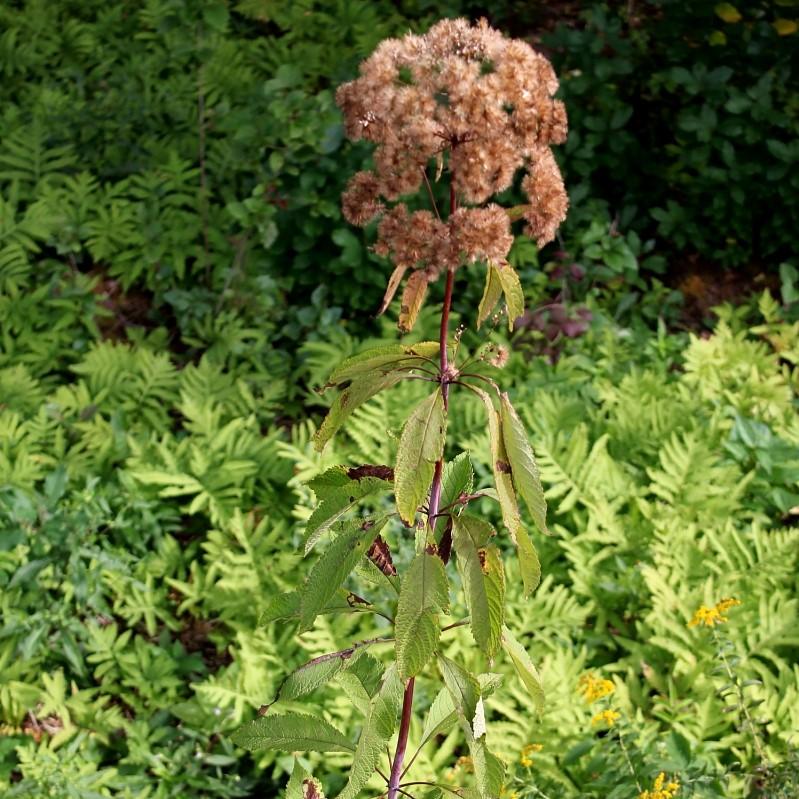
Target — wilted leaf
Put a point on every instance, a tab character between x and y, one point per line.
483	579
523	466
524	667
528	558
391	289
412	300
491	295
512	288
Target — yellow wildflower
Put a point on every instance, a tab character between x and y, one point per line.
608	717
594	688
709	617
661	789
525	756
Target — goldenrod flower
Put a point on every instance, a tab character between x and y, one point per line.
525	756
608	717
661	789
709	617
593	687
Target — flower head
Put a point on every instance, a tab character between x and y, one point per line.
606	717
710	617
661	789
525	756
476	102
594	688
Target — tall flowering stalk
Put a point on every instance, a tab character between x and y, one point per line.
465	105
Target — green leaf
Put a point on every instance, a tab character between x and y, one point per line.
423	594
528	558
512	287
527	672
464	690
458	478
291	732
333	567
462	686
348	400
383	360
483	579
421	445
287	606
338	502
360	680
441	716
377	732
308	677
489	771
491	295
523	466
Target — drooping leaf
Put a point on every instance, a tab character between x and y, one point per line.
527	672
338	502
421	445
528	558
462	686
523	466
383	359
412	299
491	295
464	690
333	567
480	566
441	716
291	732
512	288
391	288
377	731
489	770
423	595
350	398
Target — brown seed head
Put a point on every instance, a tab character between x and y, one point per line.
481	104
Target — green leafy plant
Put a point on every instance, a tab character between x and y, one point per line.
481	107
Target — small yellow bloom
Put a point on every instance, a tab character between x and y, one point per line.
525	756
609	717
661	789
593	688
709	617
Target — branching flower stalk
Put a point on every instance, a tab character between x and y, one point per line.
464	101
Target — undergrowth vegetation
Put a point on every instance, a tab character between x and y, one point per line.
150	513
173	267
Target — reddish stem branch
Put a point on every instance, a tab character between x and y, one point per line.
402	741
432	513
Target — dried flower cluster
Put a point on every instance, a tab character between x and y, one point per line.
476	102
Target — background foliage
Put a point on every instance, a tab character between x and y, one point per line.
170	234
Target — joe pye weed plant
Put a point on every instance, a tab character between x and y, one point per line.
463	106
